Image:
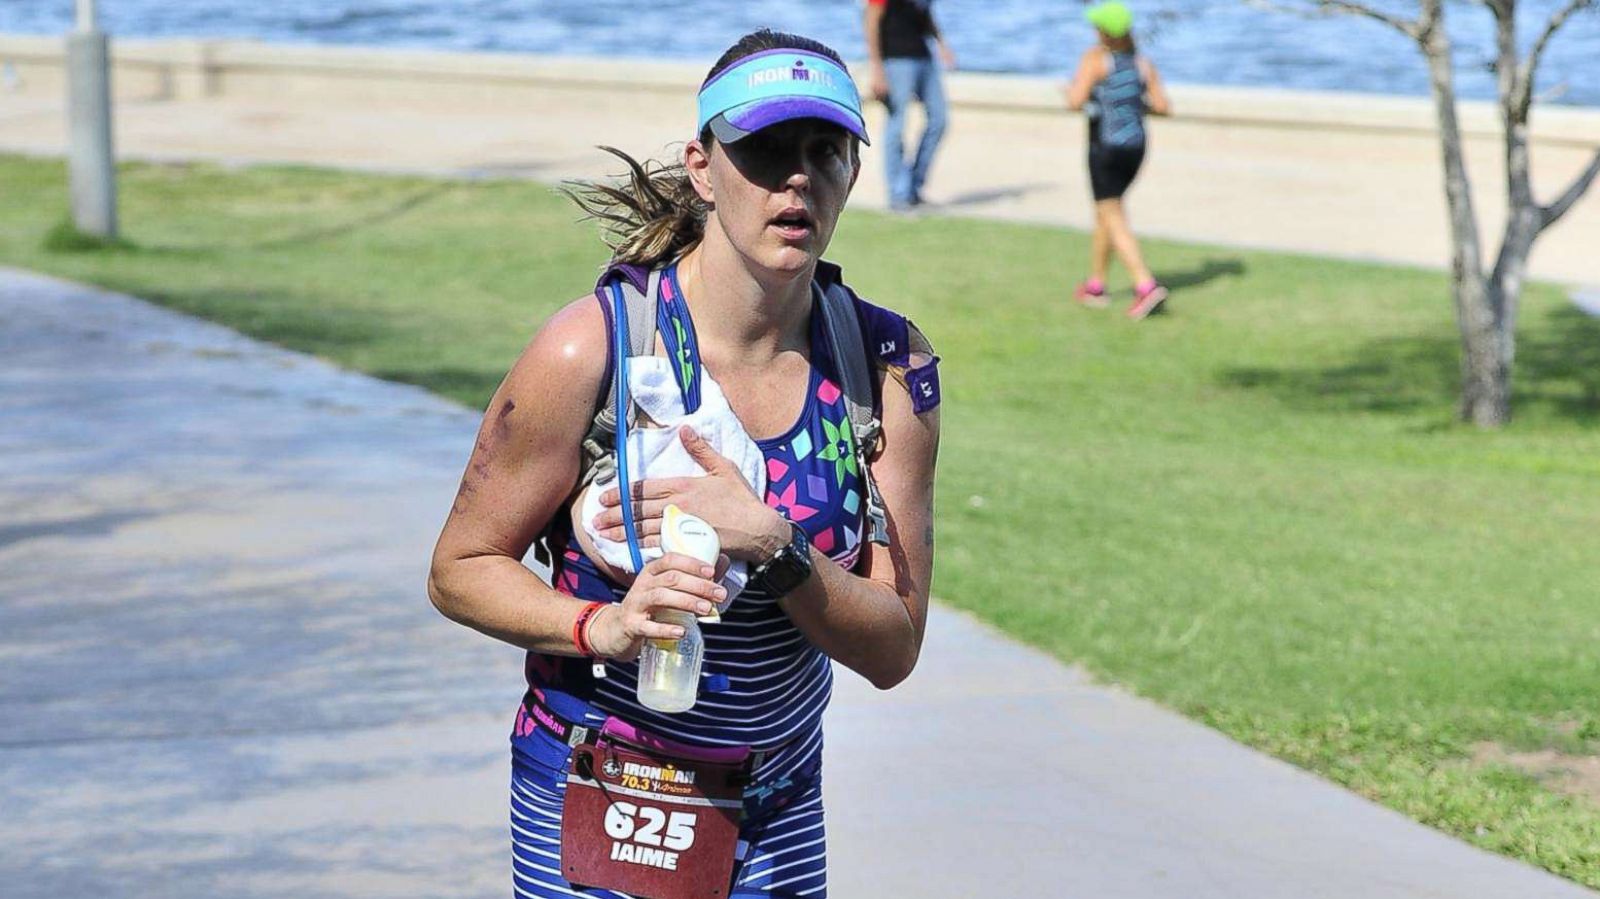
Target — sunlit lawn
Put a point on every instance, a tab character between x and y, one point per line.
1256	509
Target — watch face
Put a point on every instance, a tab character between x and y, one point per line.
790	567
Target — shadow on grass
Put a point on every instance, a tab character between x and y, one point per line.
1209	270
64	237
275	316
1557	373
330	231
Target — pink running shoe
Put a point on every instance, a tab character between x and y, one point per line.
1092	293
1147	299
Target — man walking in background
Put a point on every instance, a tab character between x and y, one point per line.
903	70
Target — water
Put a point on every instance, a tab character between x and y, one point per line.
1218	42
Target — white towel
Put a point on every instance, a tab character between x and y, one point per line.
658	452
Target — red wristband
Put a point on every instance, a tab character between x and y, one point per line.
580	636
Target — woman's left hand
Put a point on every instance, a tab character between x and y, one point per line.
748	528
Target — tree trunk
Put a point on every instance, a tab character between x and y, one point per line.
1522	212
1485	354
1486	302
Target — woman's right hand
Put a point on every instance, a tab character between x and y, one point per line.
674	581
880	84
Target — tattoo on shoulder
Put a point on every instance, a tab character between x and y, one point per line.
927	535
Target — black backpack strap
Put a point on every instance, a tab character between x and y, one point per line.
842	326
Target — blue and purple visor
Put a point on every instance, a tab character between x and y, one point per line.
775	86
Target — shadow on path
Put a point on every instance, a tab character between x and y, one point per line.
98	525
993	194
526	169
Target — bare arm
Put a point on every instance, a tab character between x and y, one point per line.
1091	68
523	467
1155	93
872	26
874	622
947	56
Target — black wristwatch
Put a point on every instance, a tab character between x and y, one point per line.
787	570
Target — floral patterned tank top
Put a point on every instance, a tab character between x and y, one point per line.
764	684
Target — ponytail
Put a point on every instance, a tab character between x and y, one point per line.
1124	44
651	215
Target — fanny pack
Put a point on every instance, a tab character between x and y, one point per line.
646	815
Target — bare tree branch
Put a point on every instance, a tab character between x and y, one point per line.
1549	214
1316	8
1550	29
1428	22
1530	65
1514	87
1553	93
1408	27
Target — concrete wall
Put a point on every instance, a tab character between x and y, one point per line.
183	69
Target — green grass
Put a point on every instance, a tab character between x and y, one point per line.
1257	509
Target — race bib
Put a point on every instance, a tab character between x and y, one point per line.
649	824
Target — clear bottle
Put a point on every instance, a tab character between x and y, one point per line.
669	670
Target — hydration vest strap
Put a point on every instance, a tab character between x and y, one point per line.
683	349
599	455
619	323
843	328
634	322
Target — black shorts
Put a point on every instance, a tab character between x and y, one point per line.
1112	169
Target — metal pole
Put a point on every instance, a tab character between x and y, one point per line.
90	163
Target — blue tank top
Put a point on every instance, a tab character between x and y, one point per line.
778	683
1120	99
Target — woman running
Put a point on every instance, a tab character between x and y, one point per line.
1116	86
610	798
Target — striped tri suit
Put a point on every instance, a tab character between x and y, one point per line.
777	683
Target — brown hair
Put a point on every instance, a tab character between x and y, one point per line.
652	214
1124	44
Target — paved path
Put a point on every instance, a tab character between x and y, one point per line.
221	675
